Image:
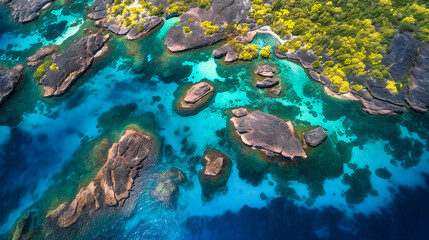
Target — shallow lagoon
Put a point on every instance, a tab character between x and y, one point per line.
50	148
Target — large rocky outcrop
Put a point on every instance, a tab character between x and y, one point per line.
215	174
194	98
72	63
8	81
227	51
374	97
315	137
267	132
167	189
149	24
220	13
113	183
143	27
403	49
27	11
418	93
268	82
265	70
37	58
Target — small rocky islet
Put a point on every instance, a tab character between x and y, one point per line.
227	29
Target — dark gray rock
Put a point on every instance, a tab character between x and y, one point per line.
418	94
222	51
403	49
8	81
72	63
113	183
216	166
279	53
118	30
269	133
167	189
231	56
227	51
268	82
38	57
315	137
265	70
149	24
194	98
27	11
239	112
99	8
276	91
378	90
220	13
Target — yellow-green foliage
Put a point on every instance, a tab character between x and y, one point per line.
182	6
393	86
353	32
187	30
140	28
265	52
71	74
191	20
245	52
41	70
53	67
316	64
210	28
357	87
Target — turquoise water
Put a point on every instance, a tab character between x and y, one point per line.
45	144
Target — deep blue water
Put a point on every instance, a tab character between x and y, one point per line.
48	147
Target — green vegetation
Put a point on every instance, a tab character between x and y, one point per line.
182	6
357	87
187	30
245	52
316	64
41	70
210	28
191	20
265	52
353	33
53	67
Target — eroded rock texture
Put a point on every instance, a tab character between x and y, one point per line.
315	137
220	13
72	63
115	180
194	98
269	133
37	58
8	81
418	94
25	10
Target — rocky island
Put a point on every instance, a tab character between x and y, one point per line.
68	66
195	98
267	132
8	81
113	183
216	171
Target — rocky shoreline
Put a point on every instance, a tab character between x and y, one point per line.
26	11
375	98
112	185
67	67
9	79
